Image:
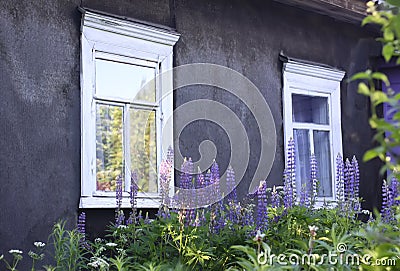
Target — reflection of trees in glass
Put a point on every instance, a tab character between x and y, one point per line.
126	79
143	148
109	150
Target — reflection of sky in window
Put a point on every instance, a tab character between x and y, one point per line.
121	80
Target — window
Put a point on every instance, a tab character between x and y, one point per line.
311	111
125	105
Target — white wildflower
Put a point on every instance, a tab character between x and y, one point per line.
111	244
259	236
15	251
98	262
313	230
39	244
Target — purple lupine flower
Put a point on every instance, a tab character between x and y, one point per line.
313	183
191	213
118	192
234	207
184	180
163	212
231	185
199	184
248	215
215	180
275	202
262	211
356	173
340	182
386	211
217	220
287	190
304	197
394	188
289	176
119	214
147	219
165	180
170	155
349	181
129	221
218	206
186	184
291	167
133	199
200	197
82	226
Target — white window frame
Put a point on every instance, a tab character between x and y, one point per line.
314	80
127	41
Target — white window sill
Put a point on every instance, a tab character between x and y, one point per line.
110	202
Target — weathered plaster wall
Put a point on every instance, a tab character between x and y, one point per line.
40	113
40	93
39	119
248	37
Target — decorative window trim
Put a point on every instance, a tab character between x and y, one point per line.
123	38
300	77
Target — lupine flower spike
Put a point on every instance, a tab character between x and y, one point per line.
340	181
234	207
119	216
313	184
356	172
81	227
262	211
133	199
386	211
275	202
394	188
291	167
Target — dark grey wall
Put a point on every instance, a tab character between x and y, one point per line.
40	92
248	36
39	119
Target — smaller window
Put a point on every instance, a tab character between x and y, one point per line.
311	99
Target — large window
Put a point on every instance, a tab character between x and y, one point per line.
125	105
311	109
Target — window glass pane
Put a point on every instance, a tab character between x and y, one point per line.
302	143
143	148
109	146
323	156
124	81
310	109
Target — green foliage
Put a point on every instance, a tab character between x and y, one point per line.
382	242
68	251
387	132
